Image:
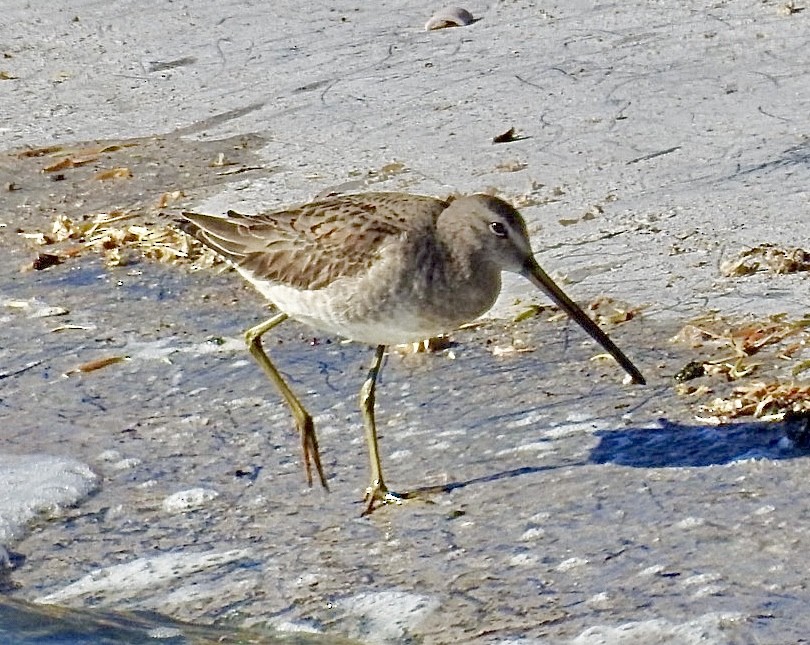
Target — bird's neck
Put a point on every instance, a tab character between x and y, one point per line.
460	272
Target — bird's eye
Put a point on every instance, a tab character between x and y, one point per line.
498	228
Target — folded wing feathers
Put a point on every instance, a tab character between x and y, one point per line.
307	247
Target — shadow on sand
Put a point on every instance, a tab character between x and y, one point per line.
670	445
681	445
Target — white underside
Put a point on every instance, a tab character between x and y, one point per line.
329	310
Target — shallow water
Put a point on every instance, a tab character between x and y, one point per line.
24	623
557	499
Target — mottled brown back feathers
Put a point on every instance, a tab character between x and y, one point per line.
310	246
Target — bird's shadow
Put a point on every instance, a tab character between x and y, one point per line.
672	445
426	491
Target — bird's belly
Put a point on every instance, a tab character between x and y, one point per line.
378	332
371	320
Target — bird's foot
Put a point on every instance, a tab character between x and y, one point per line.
311	453
377	494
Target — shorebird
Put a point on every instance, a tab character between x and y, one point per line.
381	269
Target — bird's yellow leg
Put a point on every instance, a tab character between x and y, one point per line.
377	490
303	419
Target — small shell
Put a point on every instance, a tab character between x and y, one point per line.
449	17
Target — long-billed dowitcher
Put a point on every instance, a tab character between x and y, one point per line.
382	269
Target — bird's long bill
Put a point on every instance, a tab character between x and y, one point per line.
540	278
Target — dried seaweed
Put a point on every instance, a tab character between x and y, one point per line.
766	257
97	364
606	310
728	346
766	401
117	237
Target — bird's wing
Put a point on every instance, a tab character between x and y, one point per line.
310	246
